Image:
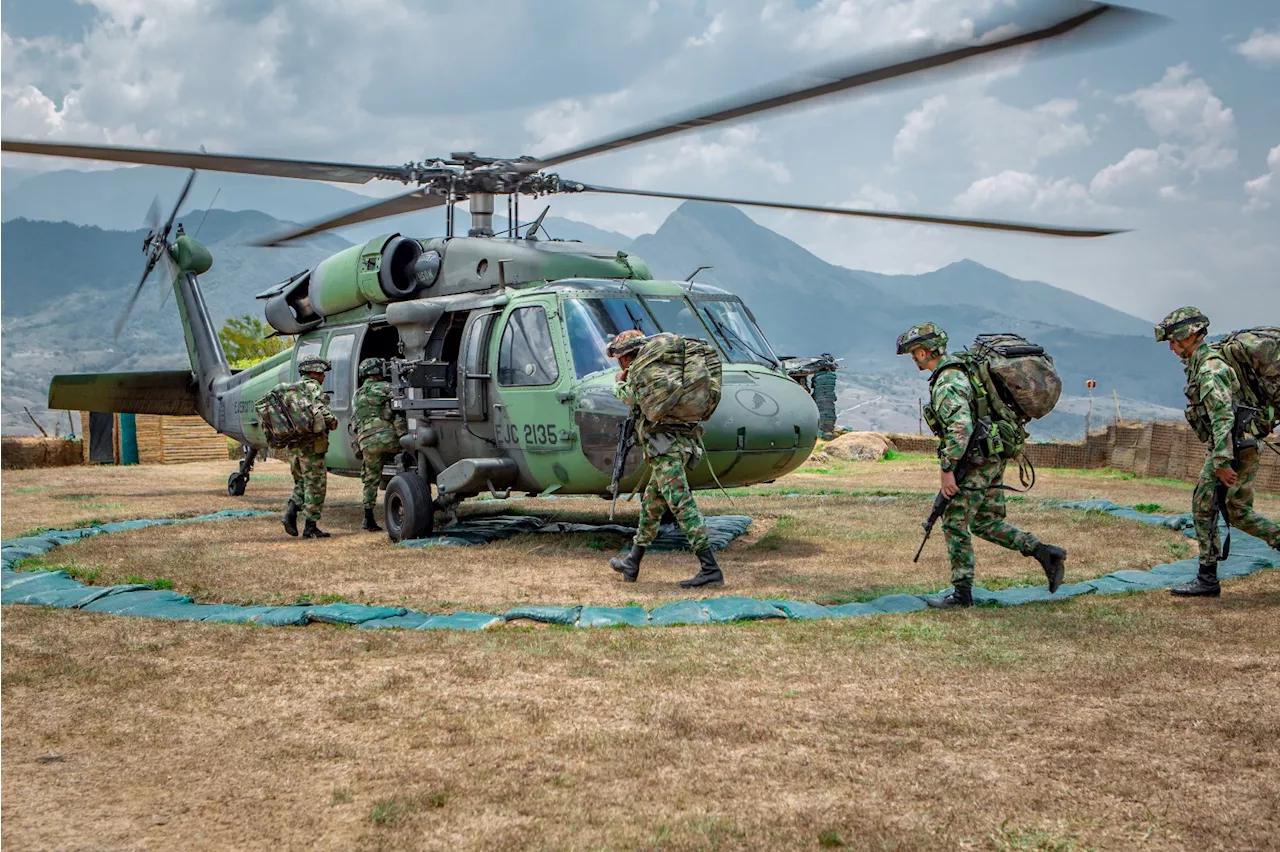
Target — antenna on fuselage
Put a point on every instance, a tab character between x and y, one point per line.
689	280
532	233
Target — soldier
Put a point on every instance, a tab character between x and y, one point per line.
668	449
977	502
378	432
306	459
1213	395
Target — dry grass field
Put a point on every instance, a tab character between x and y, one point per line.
1101	722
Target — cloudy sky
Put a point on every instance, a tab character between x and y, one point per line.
1175	134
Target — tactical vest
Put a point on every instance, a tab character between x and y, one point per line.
980	409
1196	413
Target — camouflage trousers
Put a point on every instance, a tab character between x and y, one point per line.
374	449
1239	508
310	480
979	506
669	488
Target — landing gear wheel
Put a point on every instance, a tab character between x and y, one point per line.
236	483
409	512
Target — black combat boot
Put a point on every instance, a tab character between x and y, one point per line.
290	519
313	531
961	596
1053	560
369	523
629	565
710	575
1205	585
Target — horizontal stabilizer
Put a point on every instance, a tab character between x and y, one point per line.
171	392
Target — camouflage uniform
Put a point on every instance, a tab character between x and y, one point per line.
668	453
979	506
668	449
306	459
1213	391
378	428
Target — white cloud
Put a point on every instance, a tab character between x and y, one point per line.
713	30
1015	190
1139	169
993	133
732	151
1184	109
917	125
1262	47
1261	189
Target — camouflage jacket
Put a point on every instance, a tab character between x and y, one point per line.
373	413
950	412
659	440
314	391
1212	388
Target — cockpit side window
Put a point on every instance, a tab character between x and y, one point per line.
526	355
592	323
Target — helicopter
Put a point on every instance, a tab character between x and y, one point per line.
495	344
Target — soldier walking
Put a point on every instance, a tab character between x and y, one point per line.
977	503
306	458
378	432
1214	396
669	449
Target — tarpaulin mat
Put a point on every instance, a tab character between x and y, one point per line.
58	589
721	530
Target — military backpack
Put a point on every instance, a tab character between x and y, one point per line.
677	378
1254	354
1014	382
287	415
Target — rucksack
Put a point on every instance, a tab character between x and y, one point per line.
1254	354
1015	382
286	415
677	378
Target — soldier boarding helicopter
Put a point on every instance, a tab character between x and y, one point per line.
495	348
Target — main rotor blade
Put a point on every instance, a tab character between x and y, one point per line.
268	166
153	216
182	196
987	224
418	199
841	78
137	291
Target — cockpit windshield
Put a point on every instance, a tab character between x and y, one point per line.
736	333
675	315
592	323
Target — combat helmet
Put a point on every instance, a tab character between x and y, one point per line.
926	334
371	367
626	343
1182	323
314	364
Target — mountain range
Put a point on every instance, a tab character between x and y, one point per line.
67	280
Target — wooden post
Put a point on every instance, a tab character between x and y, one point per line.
1116	397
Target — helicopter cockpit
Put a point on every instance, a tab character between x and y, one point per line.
597	311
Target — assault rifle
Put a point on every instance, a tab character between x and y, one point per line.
626	440
963	467
1240	440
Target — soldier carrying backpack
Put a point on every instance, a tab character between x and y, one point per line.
1233	398
979	401
296	417
673	383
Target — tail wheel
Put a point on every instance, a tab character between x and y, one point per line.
408	511
236	483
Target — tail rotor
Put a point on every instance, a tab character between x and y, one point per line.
156	248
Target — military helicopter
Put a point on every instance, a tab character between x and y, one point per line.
496	346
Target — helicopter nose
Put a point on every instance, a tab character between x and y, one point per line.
765	425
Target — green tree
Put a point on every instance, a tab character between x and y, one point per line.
245	341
